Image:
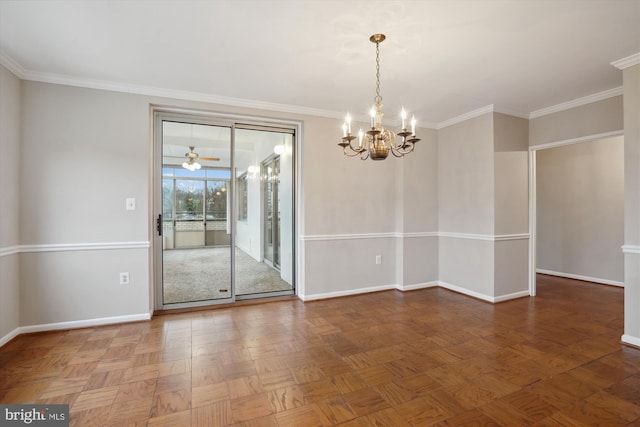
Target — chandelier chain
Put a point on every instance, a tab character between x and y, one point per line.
378	97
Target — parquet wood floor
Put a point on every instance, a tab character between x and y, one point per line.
421	358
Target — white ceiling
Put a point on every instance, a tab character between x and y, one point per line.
441	59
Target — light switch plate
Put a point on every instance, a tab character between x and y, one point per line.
131	204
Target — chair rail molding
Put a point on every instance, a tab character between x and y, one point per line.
631	249
66	247
469	236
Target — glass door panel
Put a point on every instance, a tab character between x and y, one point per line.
264	221
196	255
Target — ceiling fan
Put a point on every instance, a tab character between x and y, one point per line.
191	159
193	156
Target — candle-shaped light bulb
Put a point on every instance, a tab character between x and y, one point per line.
348	123
373	117
360	138
403	115
344	129
413	125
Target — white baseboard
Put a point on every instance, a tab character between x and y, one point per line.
11	335
425	285
579	277
628	339
417	286
514	295
314	297
402	288
465	291
75	324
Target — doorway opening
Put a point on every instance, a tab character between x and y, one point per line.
576	209
225	209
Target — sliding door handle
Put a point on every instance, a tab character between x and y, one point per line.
159	225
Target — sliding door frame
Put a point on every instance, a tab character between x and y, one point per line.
232	121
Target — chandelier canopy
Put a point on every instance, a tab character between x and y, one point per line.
377	142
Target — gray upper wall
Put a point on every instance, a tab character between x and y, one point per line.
10	109
586	120
465	177
510	143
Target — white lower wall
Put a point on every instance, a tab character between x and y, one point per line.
631	295
417	258
511	269
9	296
336	266
466	265
80	285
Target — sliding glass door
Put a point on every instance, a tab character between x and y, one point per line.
196	223
265	228
224	211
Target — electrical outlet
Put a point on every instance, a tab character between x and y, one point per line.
124	278
378	259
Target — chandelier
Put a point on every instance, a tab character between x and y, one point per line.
377	142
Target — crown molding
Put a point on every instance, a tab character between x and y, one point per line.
627	62
67	80
160	92
466	116
491	108
189	96
510	112
576	102
11	65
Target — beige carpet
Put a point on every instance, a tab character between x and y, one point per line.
205	273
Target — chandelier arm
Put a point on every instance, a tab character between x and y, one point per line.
352	153
358	150
404	147
407	150
397	153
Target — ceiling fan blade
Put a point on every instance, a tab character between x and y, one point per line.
214	159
